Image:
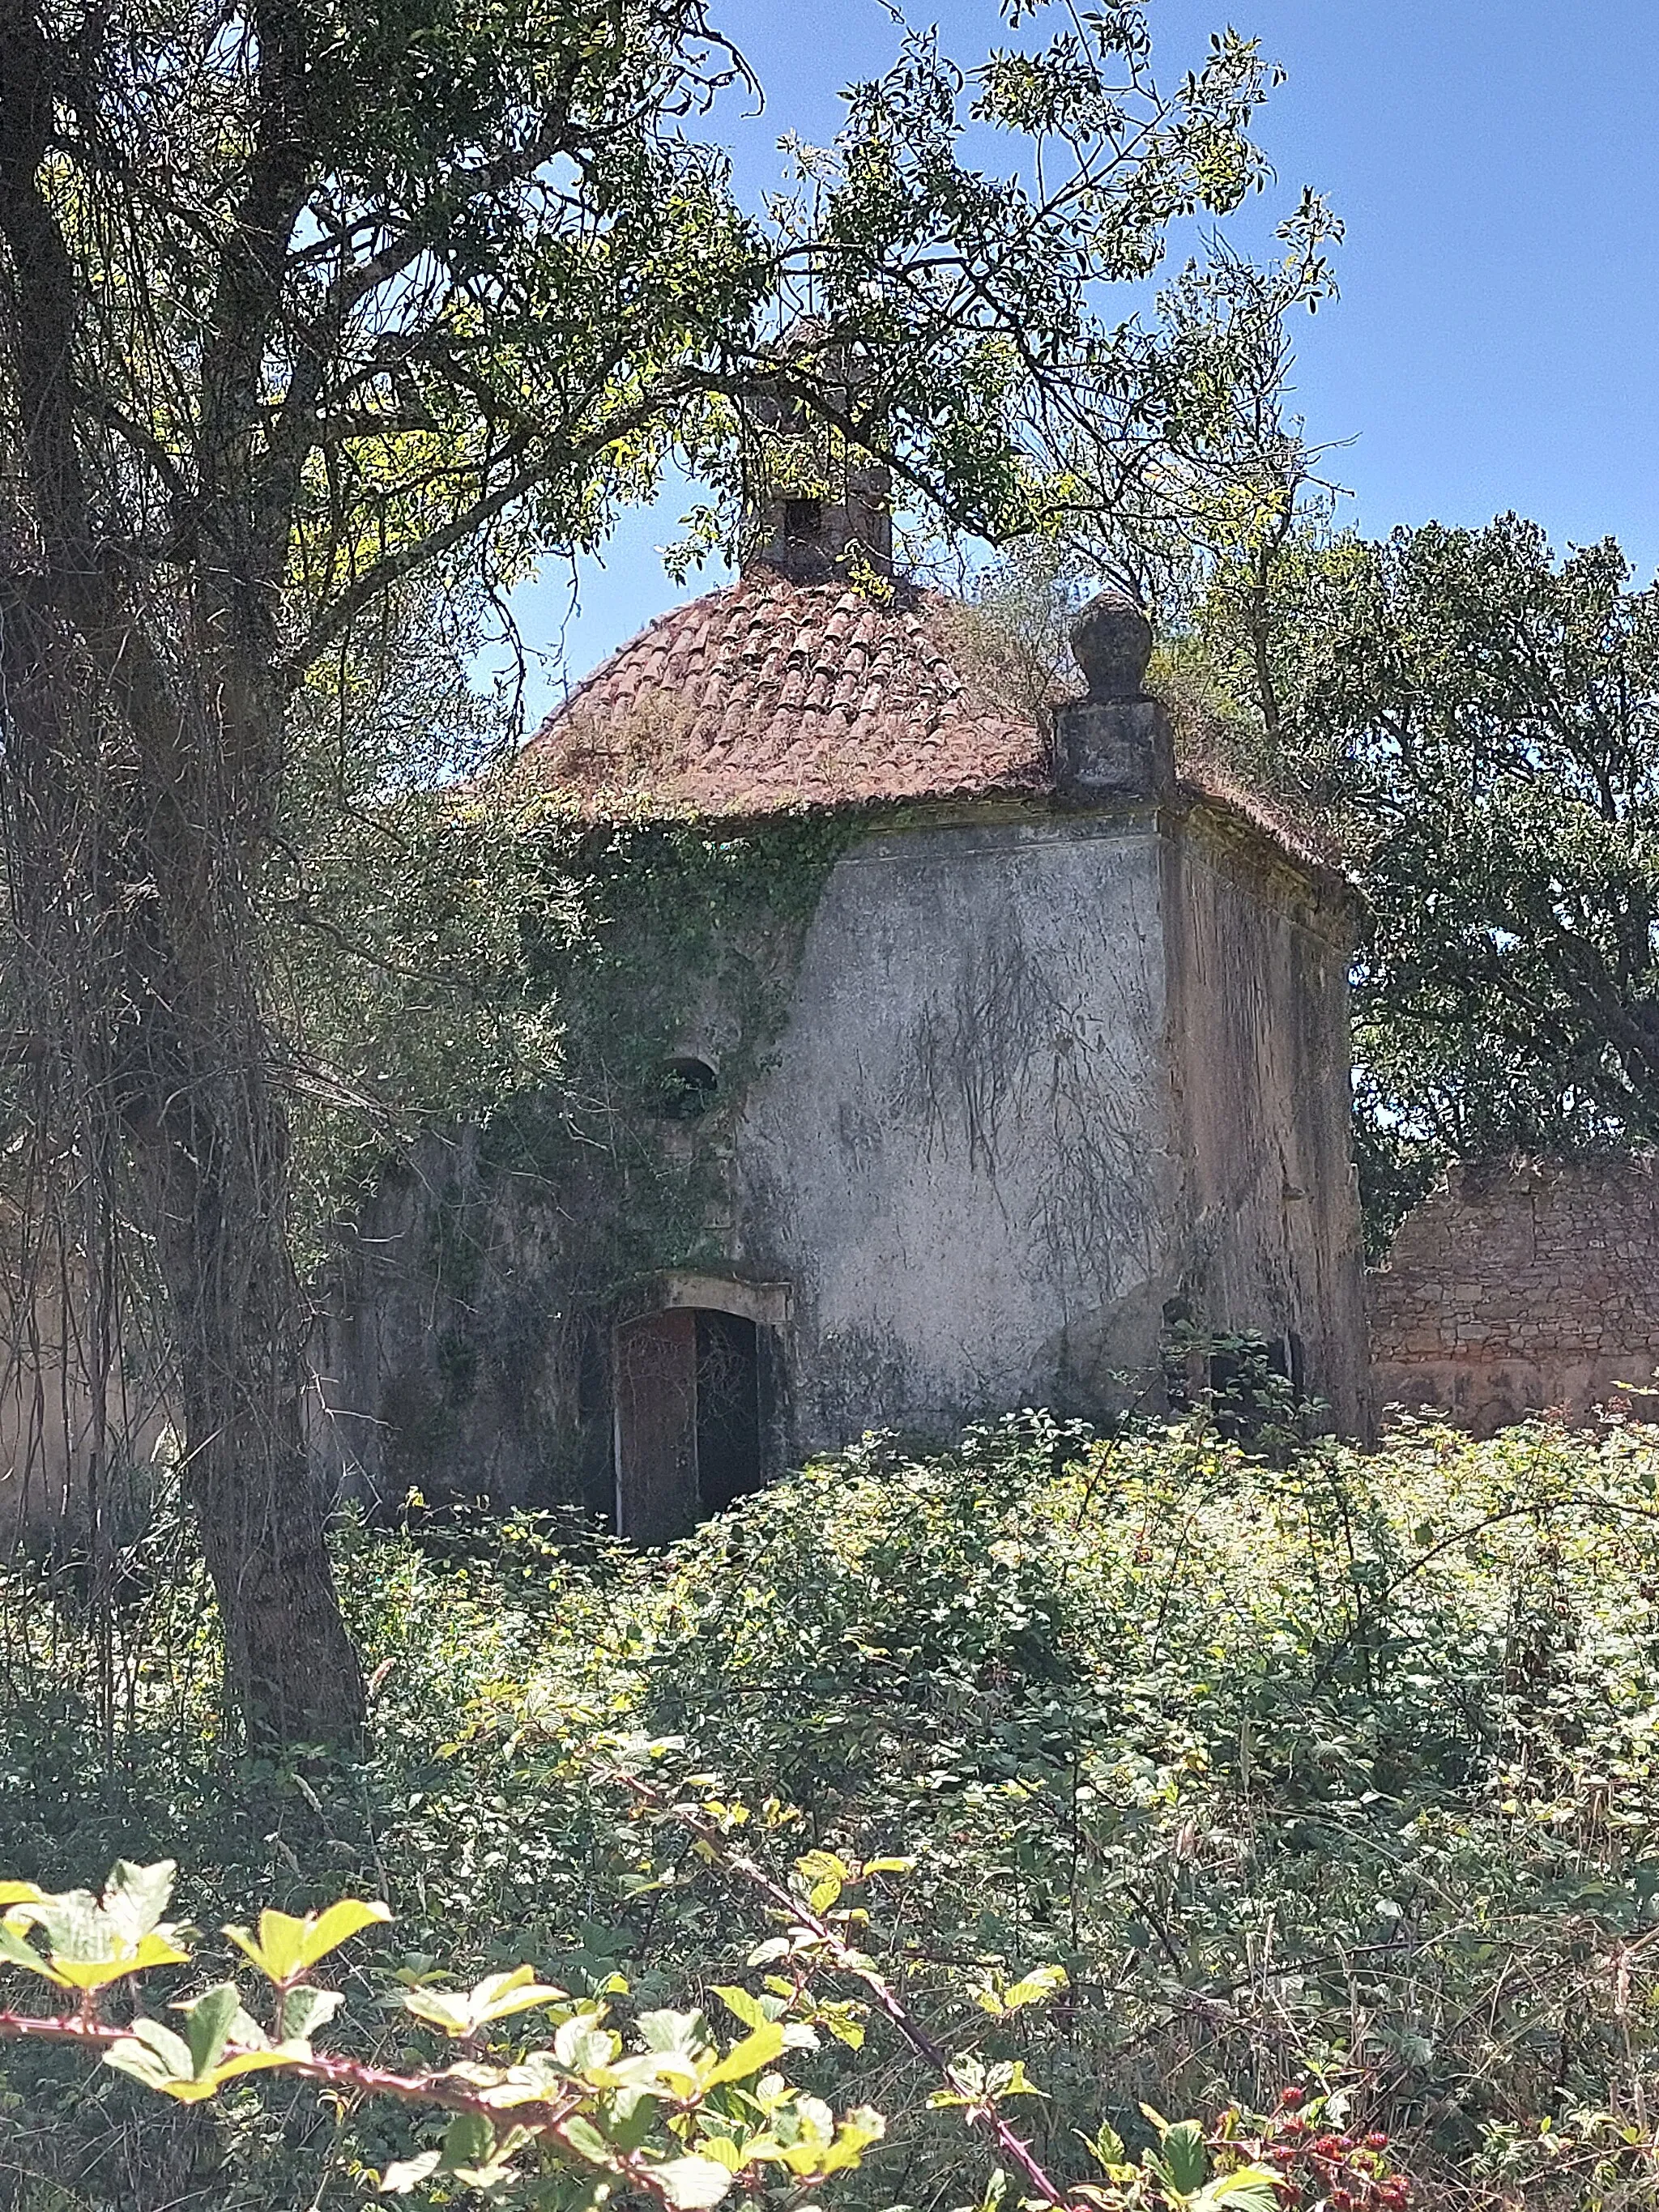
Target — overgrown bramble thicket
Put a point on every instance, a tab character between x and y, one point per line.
1337	1776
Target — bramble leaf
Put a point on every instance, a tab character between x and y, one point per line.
1041	1983
1252	2188
406	2173
746	2058
692	2183
585	2139
1185	2157
208	2022
744	2004
462	2013
302	2011
152	1950
17	1951
287	1947
469	2141
861	2127
136	1896
673	2031
153	2055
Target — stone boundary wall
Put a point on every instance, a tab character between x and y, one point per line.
1523	1286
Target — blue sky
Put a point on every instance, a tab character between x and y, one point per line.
1497	342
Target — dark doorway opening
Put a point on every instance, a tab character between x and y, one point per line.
691	1392
728	1410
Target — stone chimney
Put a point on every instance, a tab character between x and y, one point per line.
1114	743
817	508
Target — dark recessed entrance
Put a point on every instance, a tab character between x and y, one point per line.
689	1419
728	1410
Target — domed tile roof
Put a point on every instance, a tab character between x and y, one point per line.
770	695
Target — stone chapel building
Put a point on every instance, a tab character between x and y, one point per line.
1064	1059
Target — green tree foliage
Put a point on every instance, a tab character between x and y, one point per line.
1474	726
310	307
1500	714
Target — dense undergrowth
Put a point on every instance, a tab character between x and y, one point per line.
1342	1773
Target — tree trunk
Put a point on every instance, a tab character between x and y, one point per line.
213	1169
211	1138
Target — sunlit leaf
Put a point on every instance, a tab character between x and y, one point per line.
746	2058
17	1951
136	1896
743	2003
208	2022
287	1947
692	2183
407	2173
304	2010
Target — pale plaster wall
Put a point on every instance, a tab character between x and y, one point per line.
960	1158
1041	1076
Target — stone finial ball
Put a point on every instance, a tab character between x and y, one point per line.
1111	643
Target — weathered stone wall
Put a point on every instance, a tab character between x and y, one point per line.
1043	1077
1269	1238
1523	1286
452	1357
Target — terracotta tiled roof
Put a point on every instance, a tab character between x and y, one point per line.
769	695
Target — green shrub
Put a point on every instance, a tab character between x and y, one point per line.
1337	1776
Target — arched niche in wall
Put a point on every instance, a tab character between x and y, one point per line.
695	1366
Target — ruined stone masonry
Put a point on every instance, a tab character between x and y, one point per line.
1524	1286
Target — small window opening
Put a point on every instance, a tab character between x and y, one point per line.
689	1420
802	518
686	1088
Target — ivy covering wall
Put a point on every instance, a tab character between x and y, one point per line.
482	1269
